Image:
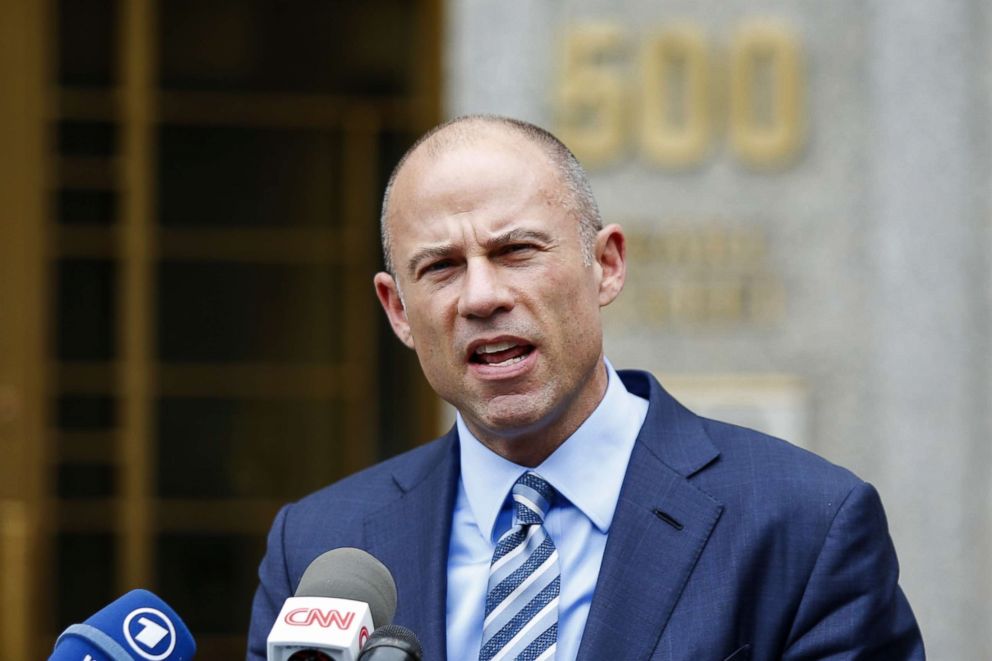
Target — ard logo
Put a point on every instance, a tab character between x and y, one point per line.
150	634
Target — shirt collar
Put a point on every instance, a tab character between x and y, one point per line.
587	469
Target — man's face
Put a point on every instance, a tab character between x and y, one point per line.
491	288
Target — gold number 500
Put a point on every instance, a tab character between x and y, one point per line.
670	114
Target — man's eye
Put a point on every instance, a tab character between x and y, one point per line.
516	248
438	266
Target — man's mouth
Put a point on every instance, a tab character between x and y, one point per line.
500	354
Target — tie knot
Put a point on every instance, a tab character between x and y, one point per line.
532	498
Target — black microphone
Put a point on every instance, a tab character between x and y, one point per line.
392	643
343	596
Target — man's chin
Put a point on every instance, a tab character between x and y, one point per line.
509	416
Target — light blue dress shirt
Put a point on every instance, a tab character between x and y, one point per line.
587	470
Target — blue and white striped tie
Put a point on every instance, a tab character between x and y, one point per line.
524	581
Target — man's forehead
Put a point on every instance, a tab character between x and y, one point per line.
443	221
486	166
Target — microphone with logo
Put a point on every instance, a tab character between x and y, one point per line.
343	596
138	626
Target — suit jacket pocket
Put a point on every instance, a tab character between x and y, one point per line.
742	654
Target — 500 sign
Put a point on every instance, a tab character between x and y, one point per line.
669	110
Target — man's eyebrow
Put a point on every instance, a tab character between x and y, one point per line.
444	251
430	252
518	234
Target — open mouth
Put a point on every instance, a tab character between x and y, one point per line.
500	354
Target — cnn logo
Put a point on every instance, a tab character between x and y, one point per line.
308	617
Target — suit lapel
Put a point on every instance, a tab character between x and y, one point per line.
411	535
649	556
660	527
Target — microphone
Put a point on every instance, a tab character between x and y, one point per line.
392	643
343	596
138	626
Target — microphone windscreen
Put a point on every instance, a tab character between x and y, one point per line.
349	573
392	643
138	625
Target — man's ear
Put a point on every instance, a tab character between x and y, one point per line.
389	296
611	257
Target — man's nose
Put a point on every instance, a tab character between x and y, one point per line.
484	291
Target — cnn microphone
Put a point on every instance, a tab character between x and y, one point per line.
138	626
392	643
343	596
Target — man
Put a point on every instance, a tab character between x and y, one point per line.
574	512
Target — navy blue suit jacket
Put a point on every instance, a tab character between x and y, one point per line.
726	544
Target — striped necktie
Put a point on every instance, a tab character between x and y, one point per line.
524	581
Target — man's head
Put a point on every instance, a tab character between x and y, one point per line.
575	188
497	271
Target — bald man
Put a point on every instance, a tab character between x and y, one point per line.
574	511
